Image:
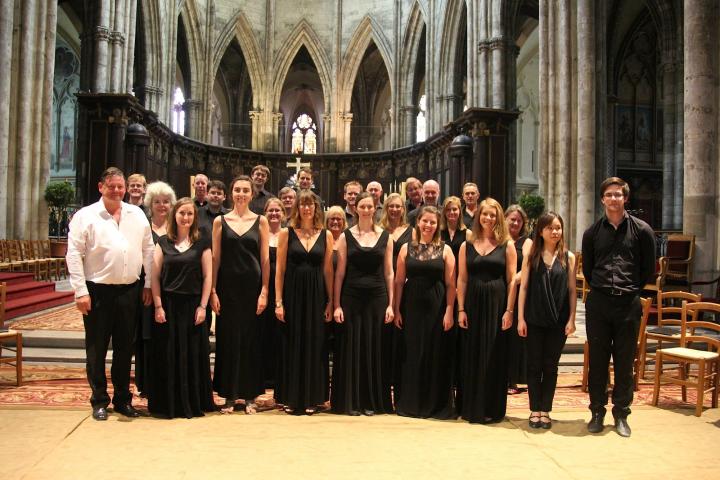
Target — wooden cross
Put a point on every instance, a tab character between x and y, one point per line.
297	164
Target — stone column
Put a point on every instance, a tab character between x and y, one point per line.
564	121
700	205
585	179
347	118
117	40
255	125
672	184
497	53
274	141
6	32
193	109
327	144
409	114
482	89
129	51
100	60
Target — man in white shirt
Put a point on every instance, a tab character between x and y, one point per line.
108	244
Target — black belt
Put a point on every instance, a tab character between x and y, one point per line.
613	292
111	286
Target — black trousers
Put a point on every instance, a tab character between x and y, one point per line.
113	314
612	329
544	347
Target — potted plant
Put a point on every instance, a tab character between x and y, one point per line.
534	206
59	196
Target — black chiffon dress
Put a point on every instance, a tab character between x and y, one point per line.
482	389
180	357
143	339
424	386
517	350
358	384
238	355
392	336
304	371
269	333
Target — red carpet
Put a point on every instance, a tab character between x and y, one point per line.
66	387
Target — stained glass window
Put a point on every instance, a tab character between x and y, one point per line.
304	135
178	114
421	126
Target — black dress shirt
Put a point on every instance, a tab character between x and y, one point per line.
257	205
618	261
468	219
206	217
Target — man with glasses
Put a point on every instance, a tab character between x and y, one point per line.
618	254
259	176
470	195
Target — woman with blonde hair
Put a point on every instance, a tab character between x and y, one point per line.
485	310
303	285
394	221
452	228
335	223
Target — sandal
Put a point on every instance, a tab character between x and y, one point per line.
547	425
250	408
228	408
534	420
310	411
288	410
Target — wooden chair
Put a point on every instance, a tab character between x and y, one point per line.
707	361
10	336
582	285
680	253
5	265
32	252
658	281
57	264
715	298
646	304
13	251
668	327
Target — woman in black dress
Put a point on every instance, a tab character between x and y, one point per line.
181	281
517	223
275	214
159	200
424	311
241	271
547	313
485	301
363	305
304	292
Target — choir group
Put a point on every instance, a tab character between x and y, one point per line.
423	309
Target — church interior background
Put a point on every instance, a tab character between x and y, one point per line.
553	95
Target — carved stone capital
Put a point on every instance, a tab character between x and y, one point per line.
101	34
117	38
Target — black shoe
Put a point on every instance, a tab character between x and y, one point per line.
354	413
100	413
546	425
622	427
127	410
595	425
368	413
534	421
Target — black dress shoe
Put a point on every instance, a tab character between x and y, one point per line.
127	410
100	413
622	427
595	425
354	413
368	413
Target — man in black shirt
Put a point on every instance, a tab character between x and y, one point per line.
618	254
213	209
260	175
200	185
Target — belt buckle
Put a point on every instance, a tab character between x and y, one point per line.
615	292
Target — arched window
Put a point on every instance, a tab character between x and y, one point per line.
304	135
421	125
178	114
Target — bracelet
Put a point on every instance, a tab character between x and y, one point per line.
460	310
158	306
204	307
508	310
278	304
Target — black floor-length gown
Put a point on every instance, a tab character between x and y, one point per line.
517	350
269	334
455	243
482	390
143	339
358	384
180	355
392	336
238	350
304	372
424	385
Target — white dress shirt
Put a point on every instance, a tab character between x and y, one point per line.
101	250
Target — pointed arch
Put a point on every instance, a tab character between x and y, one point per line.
367	30
239	27
410	50
302	35
449	45
189	18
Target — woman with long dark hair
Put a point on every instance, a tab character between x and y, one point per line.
303	285
546	312
181	282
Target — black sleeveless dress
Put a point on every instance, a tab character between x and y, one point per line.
397	245
482	390
358	383
238	352
269	329
517	351
180	360
391	334
304	371
424	387
143	338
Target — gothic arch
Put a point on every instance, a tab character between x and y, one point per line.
449	45
367	30
239	27
152	36
302	34
410	49
189	18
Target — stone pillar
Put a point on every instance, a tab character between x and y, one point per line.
274	142
409	114
255	121
117	40
700	205
586	141
482	89
6	32
347	121
672	183
564	119
100	60
130	45
193	112
327	144
497	53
